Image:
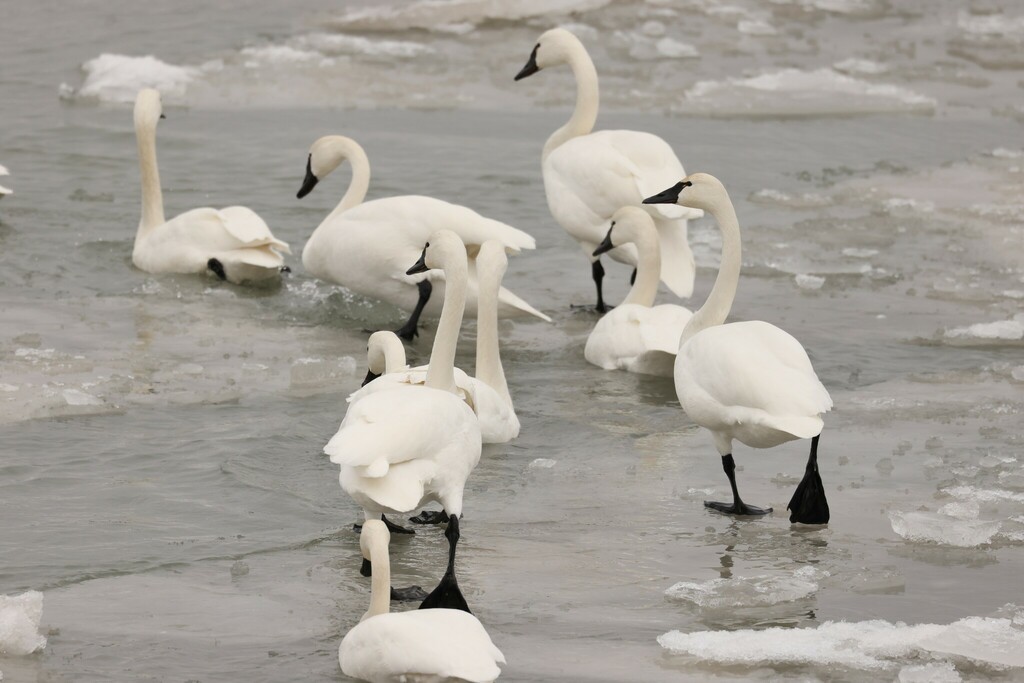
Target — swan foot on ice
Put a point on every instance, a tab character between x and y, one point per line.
738	507
448	595
597	272
430	517
218	268
808	504
392	527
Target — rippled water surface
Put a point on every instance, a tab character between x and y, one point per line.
162	481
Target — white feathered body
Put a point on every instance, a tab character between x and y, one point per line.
403	448
636	338
368	248
420	646
235	236
498	420
752	382
589	177
4	190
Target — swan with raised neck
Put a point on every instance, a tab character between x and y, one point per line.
491	264
148	111
325	155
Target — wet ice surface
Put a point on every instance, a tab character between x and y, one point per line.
162	480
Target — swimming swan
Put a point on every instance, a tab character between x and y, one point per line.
366	246
487	393
588	176
748	381
401	449
233	243
420	645
636	335
3	190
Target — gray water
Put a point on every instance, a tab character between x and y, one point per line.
162	477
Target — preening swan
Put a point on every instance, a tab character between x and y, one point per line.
748	381
637	335
232	243
403	448
3	190
367	247
588	176
419	645
487	393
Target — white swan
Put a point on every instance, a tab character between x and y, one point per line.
487	393
588	176
420	645
3	190
636	335
366	247
748	381
233	243
404	448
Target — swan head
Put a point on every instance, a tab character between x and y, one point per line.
148	108
630	225
553	47
325	155
696	191
443	249
384	354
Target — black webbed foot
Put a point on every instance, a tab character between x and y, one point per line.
808	504
447	595
738	508
430	517
410	594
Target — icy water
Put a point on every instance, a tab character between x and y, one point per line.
162	481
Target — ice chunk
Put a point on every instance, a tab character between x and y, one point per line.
753	591
804	281
1011	330
934	528
755	27
542	464
980	639
19	623
960	510
118	78
942	672
860	66
311	372
76	397
983	495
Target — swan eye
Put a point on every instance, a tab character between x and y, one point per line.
685	183
613	224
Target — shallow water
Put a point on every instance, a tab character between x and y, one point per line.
162	480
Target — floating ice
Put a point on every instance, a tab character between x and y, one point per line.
752	591
438	14
76	397
19	623
961	510
1010	330
934	528
981	639
1004	153
309	372
941	672
669	47
340	43
118	78
860	66
804	281
800	201
983	495
542	464
859	253
282	55
755	27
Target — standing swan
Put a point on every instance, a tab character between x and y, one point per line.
588	176
404	448
366	247
233	243
637	336
748	381
487	393
419	645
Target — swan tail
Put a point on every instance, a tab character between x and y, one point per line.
258	257
677	265
800	427
513	305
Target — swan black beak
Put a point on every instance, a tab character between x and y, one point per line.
421	265
370	376
669	196
163	116
311	180
606	244
531	65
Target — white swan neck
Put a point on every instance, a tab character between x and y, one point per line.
394	357
441	373
584	116
380	581
648	272
360	183
488	352
716	309
152	196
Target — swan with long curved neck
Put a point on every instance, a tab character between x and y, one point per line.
589	175
401	449
748	381
232	243
636	335
486	393
418	645
364	246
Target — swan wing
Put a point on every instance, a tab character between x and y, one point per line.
498	420
249	229
437	644
638	338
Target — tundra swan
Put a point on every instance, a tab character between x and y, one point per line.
637	335
748	381
366	246
233	243
588	176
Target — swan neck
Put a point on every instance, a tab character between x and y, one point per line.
441	373
716	309
152	196
488	352
648	273
360	182
394	358
380	582
584	116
